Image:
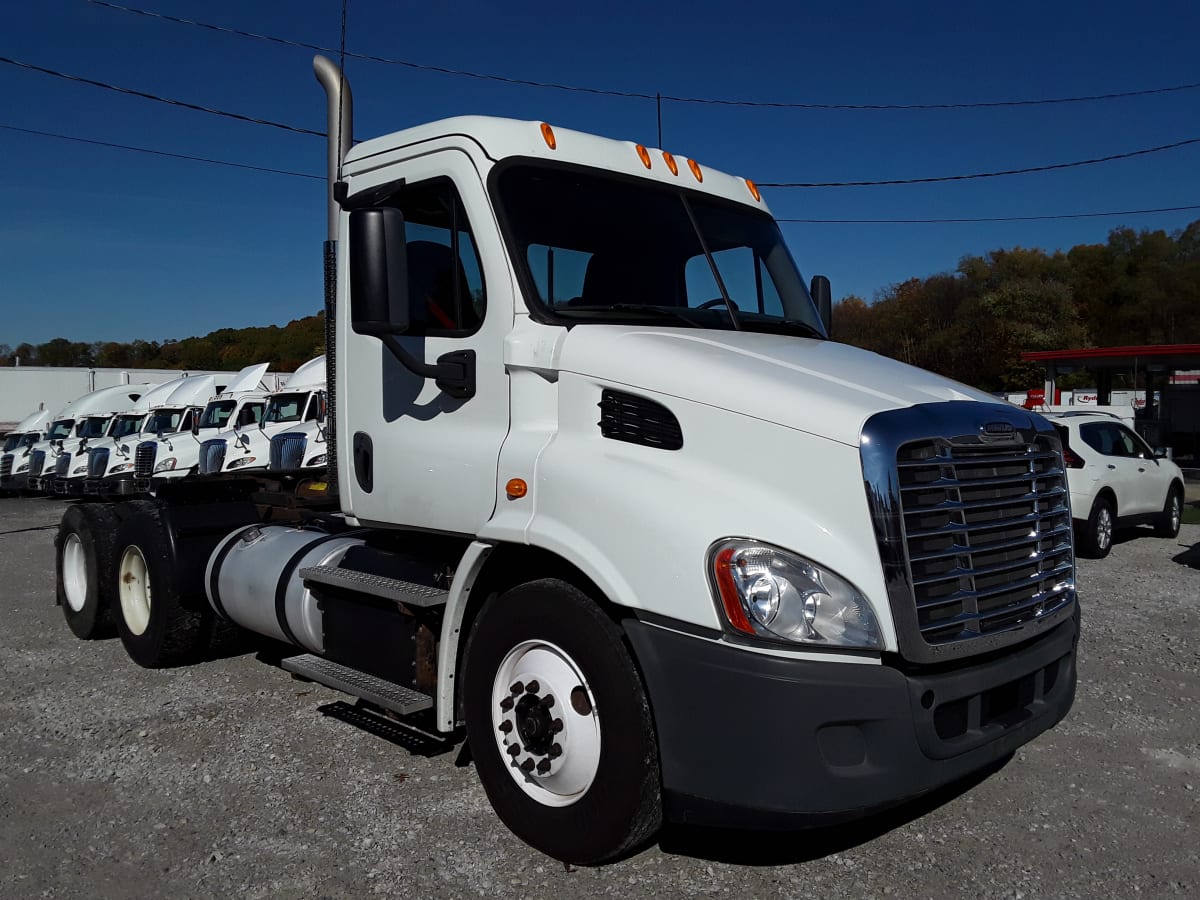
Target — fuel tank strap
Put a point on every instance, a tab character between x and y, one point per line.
282	585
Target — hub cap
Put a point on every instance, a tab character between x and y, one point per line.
1104	529
74	572
546	724
134	588
1176	512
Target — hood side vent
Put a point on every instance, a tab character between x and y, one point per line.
638	420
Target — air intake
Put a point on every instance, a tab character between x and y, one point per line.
638	420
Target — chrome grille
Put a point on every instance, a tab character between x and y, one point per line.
97	462
973	523
287	451
62	465
212	456
6	465
37	462
143	459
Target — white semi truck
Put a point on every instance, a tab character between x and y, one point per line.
605	495
24	435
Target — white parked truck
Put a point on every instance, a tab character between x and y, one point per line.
24	435
603	494
301	399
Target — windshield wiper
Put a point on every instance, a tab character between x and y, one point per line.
654	311
712	264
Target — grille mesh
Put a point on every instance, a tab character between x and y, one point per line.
62	465
212	456
638	420
97	462
37	462
287	451
987	535
6	465
143	459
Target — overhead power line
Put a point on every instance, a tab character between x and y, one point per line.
157	99
642	95
938	178
189	157
1087	215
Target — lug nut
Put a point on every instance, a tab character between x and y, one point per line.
514	749
527	766
556	726
532	688
543	767
506	726
517	688
548	701
506	704
555	751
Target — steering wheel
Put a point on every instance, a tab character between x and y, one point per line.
717	301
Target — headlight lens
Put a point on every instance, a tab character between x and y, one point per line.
79	470
316	461
123	467
22	467
166	465
769	592
240	463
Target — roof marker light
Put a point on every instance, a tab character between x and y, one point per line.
643	155
548	136
671	164
695	167
754	190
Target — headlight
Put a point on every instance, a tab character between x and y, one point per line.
239	463
316	461
166	465
123	467
79	470
22	467
769	592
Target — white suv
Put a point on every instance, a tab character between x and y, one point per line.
1115	479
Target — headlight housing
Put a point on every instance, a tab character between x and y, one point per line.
166	465
23	467
240	463
316	461
79	470
123	467
768	592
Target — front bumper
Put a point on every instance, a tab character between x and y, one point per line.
16	482
115	486
752	740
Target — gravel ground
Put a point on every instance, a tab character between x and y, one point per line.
229	778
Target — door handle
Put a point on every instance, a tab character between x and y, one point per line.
1111	466
1141	469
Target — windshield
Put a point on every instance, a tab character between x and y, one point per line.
11	442
286	408
217	413
93	427
60	429
124	426
602	249
164	420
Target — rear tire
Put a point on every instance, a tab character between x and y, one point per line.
1167	524
583	784
85	578
1096	537
156	627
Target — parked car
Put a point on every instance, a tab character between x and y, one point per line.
1115	479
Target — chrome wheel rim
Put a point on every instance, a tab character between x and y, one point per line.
1104	528
1176	512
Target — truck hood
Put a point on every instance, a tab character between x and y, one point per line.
820	387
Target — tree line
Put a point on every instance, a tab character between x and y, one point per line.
226	349
1140	287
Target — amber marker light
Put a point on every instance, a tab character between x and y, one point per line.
754	190
695	167
723	570
548	136
516	488
671	164
643	155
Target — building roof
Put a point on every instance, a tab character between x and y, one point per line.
1172	356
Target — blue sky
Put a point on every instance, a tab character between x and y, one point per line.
103	244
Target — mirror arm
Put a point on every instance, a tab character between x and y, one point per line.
454	372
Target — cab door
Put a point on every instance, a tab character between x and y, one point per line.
410	454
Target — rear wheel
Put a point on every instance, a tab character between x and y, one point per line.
1167	524
156	627
1096	537
559	725
85	569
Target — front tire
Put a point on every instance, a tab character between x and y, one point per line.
1169	520
1096	539
85	570
559	724
156	627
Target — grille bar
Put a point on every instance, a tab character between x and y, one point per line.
6	465
959	549
143	459
1023	562
980	459
997	591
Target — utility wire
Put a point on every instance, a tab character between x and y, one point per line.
203	159
221	162
1047	168
985	104
1087	215
157	99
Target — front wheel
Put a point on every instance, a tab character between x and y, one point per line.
1167	524
1096	537
559	724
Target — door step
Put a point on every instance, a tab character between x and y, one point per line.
375	690
376	585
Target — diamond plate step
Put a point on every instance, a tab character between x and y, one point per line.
358	684
376	585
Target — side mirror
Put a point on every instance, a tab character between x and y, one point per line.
1160	453
243	441
195	425
378	272
159	434
823	297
